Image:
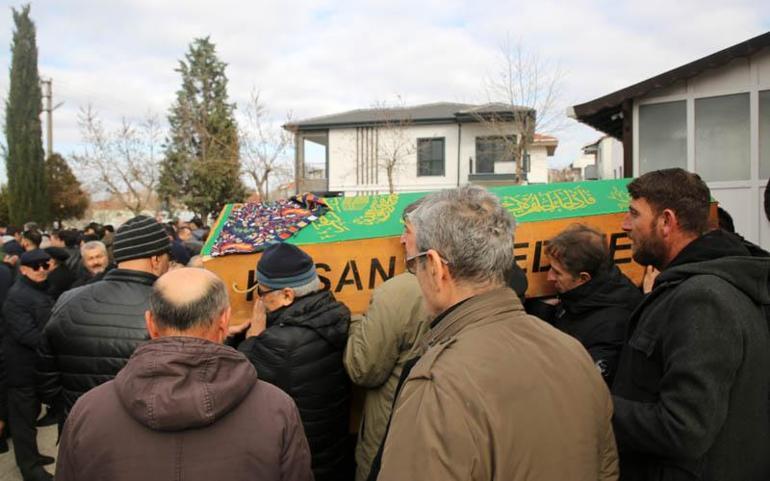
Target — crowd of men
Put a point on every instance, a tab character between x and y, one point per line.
463	377
72	313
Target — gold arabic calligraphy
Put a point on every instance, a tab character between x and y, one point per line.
379	211
547	202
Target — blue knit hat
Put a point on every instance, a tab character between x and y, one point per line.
285	265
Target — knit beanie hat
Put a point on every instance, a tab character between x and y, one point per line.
285	265
139	238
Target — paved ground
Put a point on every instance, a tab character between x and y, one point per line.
46	439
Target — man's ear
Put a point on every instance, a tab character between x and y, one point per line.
584	277
222	323
152	328
287	296
668	221
436	267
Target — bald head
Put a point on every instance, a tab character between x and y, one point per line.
187	299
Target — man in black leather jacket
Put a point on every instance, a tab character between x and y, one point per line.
25	312
94	329
296	340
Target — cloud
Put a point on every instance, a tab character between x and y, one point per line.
319	57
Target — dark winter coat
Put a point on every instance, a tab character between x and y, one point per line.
25	313
184	408
7	273
596	314
92	333
301	352
60	280
691	390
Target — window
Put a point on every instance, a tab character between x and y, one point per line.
722	137
493	149
662	136
430	157
764	134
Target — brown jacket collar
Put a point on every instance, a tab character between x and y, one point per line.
475	311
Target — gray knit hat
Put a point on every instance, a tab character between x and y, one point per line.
139	238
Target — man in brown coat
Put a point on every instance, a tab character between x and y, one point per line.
185	406
496	394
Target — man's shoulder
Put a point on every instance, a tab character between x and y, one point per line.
514	336
270	399
404	282
101	398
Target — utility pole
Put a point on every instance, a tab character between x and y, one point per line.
47	94
48	109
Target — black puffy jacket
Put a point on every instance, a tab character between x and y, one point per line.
92	332
596	314
301	353
25	313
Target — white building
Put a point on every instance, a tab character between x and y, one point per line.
710	116
601	160
426	147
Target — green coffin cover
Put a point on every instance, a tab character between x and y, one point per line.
368	217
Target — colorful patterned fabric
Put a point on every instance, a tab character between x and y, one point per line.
252	227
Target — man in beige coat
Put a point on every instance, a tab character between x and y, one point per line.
379	344
496	394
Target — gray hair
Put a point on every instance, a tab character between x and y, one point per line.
93	245
309	288
469	228
200	312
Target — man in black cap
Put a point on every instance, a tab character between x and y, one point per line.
95	329
296	339
60	277
11	253
26	311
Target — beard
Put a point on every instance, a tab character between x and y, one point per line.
649	251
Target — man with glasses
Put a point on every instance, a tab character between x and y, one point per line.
25	312
95	329
295	339
379	345
494	393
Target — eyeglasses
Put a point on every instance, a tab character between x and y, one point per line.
411	262
37	267
263	293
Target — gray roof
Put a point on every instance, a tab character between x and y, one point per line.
439	112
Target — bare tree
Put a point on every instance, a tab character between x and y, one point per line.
264	147
395	145
125	162
523	93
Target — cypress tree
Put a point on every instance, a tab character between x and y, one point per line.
25	167
201	168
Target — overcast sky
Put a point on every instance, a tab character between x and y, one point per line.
319	57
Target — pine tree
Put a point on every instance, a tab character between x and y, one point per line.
67	198
25	167
201	168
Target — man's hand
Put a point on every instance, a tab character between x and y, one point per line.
235	330
258	321
650	274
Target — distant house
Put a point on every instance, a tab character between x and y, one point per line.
430	147
602	159
710	116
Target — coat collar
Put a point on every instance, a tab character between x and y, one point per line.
475	311
130	275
